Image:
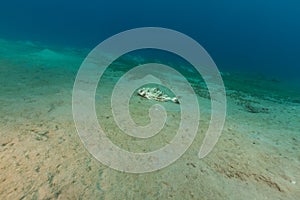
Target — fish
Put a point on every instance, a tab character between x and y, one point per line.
156	94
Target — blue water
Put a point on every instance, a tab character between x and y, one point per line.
254	36
260	36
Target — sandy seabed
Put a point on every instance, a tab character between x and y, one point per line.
42	156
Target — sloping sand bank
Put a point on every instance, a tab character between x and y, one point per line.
42	157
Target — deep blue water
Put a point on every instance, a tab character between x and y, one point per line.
258	36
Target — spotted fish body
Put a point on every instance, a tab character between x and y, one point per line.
156	94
